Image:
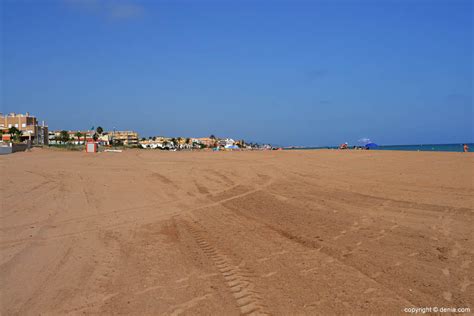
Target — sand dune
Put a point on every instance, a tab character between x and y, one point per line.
291	232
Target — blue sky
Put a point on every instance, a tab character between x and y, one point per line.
284	72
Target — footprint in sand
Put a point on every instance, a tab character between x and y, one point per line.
182	280
355	227
445	271
447	296
359	243
455	251
464	284
340	235
381	234
330	260
370	290
465	264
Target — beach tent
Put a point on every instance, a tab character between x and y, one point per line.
371	145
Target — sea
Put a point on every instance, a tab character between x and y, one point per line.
421	147
428	147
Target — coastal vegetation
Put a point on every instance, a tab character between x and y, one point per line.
15	134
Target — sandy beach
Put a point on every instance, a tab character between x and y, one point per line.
226	233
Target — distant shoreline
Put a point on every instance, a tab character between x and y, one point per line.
422	147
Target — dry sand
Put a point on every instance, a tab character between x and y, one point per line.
292	232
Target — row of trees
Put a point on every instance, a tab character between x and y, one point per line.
179	140
64	136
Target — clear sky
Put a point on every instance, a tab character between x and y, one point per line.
285	72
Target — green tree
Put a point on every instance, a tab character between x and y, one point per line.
212	136
188	140
15	134
78	135
64	136
95	137
117	142
12	131
99	130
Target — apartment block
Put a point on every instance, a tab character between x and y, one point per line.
27	124
125	137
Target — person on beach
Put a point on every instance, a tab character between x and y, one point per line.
466	148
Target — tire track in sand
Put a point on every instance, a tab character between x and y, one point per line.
237	278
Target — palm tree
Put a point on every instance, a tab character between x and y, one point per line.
18	136
212	136
78	135
14	132
99	130
64	136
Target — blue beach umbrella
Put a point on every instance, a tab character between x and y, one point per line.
371	145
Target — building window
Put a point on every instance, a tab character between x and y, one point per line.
9	125
16	125
23	124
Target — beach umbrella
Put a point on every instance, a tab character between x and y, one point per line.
371	145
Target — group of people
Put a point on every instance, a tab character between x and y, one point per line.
346	146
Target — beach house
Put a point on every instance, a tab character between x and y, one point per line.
30	129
